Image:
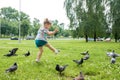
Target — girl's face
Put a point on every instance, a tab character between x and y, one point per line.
47	26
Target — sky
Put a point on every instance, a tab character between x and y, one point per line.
41	9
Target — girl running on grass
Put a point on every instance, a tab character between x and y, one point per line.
41	39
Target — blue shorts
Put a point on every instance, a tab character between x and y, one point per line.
40	43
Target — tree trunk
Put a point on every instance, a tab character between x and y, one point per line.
86	38
95	37
116	37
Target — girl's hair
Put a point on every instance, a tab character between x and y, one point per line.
46	21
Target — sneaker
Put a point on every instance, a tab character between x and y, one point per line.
57	51
37	60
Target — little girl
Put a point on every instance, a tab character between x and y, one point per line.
41	39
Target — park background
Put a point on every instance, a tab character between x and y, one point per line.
92	25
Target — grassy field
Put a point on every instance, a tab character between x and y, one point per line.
98	67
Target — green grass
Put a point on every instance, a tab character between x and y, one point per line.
98	67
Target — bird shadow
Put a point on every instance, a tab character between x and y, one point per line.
79	66
61	74
10	73
65	76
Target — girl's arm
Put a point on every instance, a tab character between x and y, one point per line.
52	32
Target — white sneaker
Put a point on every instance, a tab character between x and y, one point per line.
57	51
37	60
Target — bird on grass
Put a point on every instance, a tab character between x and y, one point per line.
84	53
80	77
113	54
13	68
113	60
79	62
27	54
8	55
12	52
60	69
87	56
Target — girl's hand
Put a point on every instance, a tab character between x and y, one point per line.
56	30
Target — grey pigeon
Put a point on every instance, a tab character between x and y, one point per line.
109	54
12	52
84	53
27	54
60	68
80	77
112	54
79	62
87	56
113	60
13	68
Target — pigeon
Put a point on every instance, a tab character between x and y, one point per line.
27	54
84	53
12	52
8	55
115	54
112	54
109	54
80	77
79	62
87	56
13	68
113	60
60	68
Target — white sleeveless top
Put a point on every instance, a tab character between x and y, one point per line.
42	34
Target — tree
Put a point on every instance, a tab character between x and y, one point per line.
86	17
60	27
25	25
9	21
97	17
9	13
36	26
115	18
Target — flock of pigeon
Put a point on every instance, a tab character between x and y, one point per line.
60	68
78	62
12	52
86	54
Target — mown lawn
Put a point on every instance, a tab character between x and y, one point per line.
98	67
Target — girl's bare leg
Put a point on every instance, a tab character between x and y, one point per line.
51	48
39	54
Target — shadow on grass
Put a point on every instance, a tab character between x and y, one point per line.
90	73
63	75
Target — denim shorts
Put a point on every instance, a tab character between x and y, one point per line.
40	43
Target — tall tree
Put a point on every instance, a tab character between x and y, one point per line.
86	17
115	18
9	21
36	26
97	17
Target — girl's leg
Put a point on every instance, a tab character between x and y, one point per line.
39	54
51	48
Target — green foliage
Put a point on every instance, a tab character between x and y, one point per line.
60	27
36	26
87	18
98	67
9	13
115	18
9	21
25	24
10	24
